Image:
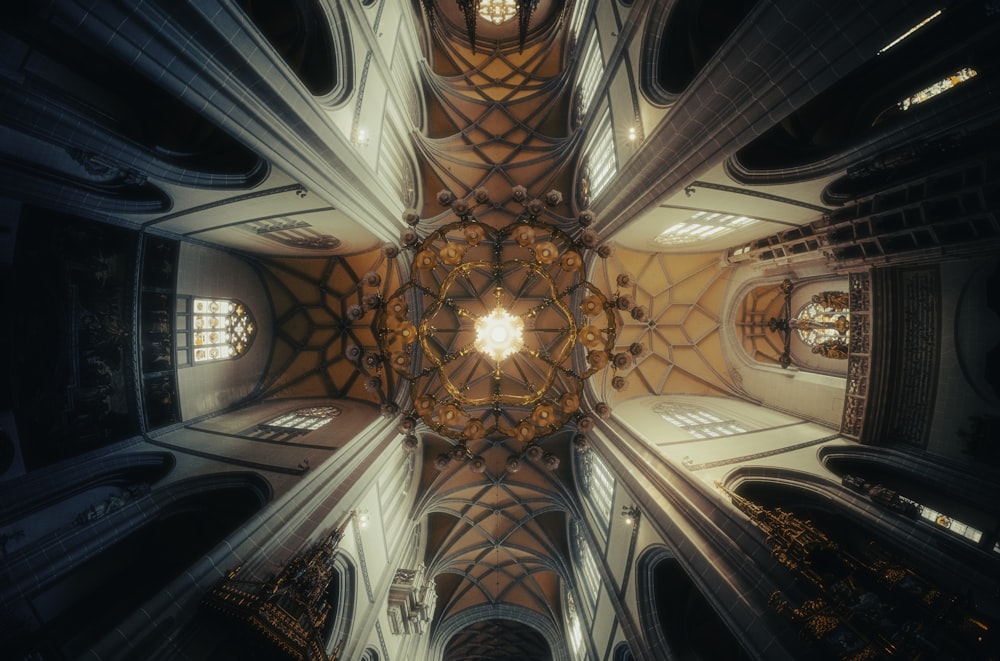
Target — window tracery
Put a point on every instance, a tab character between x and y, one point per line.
213	329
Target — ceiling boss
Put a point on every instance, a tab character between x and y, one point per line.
498	328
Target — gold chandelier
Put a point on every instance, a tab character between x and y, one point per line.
498	328
496	12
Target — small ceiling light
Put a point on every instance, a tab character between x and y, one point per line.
633	134
363	518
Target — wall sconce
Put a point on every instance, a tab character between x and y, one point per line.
363	518
361	137
633	134
630	514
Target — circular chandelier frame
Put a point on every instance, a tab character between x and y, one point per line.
533	269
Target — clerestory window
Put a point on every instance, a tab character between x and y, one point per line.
300	421
698	421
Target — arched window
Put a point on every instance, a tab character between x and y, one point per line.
597	485
575	628
590	73
864	118
212	329
698	421
940	87
819	330
601	165
918	492
340	603
586	566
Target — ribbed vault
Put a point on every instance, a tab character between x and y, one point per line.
497	640
319	316
501	121
497	539
681	335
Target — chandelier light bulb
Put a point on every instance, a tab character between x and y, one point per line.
497	11
499	334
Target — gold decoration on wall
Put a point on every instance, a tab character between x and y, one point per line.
864	603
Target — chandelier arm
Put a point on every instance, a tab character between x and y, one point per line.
468	287
545	359
524	377
447	358
532	268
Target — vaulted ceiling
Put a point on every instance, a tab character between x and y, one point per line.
497	537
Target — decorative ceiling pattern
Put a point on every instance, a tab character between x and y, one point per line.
323	339
482	640
681	334
500	120
496	508
499	536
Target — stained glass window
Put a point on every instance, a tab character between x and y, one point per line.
824	327
940	87
212	329
953	525
909	32
221	329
